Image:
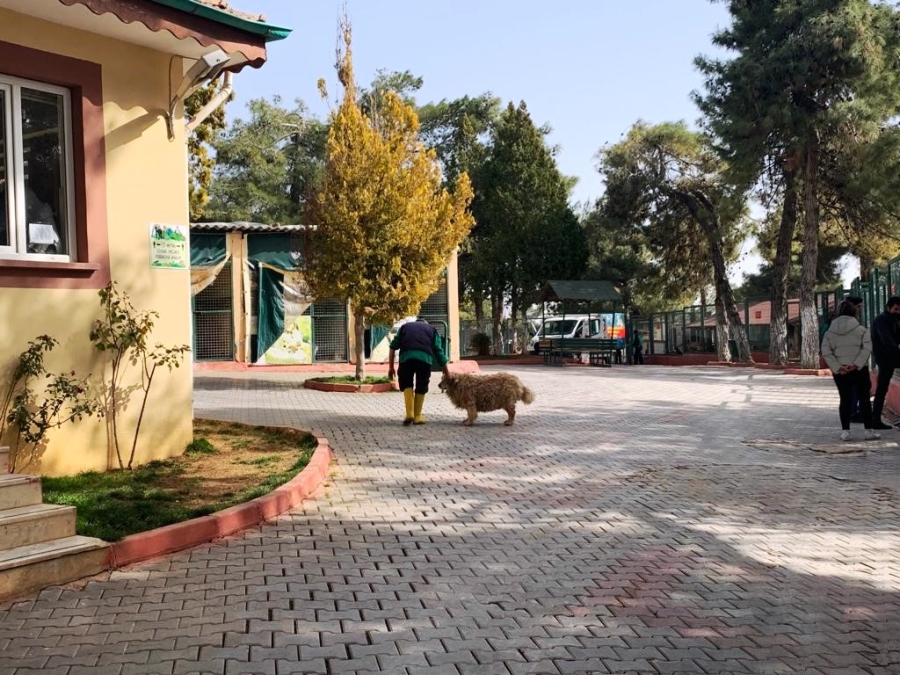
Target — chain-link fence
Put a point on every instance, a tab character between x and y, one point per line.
476	338
329	331
214	319
692	329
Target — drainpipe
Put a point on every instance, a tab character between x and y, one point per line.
221	97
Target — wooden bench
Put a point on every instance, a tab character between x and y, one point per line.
545	349
600	351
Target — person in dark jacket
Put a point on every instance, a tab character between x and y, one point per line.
638	345
420	345
887	355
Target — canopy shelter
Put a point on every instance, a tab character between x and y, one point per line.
598	299
596	295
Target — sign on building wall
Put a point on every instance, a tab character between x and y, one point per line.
169	247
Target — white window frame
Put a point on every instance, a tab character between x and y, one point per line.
8	168
15	160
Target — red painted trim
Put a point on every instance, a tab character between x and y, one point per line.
464	366
177	537
84	80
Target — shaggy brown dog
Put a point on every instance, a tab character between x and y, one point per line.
483	393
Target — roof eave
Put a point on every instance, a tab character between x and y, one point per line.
269	32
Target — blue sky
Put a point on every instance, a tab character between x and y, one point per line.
588	68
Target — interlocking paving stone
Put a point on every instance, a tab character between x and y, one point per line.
636	519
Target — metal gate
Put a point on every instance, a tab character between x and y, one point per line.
214	320
436	307
329	328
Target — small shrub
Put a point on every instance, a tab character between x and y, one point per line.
481	344
31	412
200	446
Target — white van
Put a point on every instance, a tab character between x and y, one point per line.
568	326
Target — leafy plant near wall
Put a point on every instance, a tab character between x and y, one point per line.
124	332
65	398
481	344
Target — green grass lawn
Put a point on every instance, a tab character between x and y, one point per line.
238	463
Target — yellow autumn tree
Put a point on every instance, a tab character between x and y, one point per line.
384	228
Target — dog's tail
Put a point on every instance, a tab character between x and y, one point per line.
527	395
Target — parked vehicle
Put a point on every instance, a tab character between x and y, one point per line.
568	326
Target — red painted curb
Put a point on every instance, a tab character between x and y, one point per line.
462	366
273	505
177	537
816	372
162	540
349	388
236	518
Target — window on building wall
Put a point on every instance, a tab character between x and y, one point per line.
36	171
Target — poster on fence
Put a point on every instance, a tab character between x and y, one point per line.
285	329
612	326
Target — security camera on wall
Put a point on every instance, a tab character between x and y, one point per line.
206	67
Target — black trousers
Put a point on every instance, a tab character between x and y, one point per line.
855	381
413	369
638	356
885	373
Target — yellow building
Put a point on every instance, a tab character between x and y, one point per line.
93	166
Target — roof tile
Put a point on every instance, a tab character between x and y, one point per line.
225	7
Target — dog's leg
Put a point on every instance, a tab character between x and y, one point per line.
473	415
511	411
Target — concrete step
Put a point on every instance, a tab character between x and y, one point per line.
19	490
4	459
35	524
25	569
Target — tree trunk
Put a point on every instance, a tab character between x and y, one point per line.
704	213
809	320
513	327
359	331
866	263
478	301
778	327
496	321
526	334
723	349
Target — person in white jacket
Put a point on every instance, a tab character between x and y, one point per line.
846	348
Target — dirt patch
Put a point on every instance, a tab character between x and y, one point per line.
241	456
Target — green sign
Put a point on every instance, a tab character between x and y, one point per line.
169	247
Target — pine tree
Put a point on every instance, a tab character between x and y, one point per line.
525	232
667	181
200	164
805	74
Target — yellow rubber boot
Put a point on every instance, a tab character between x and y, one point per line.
419	402
408	400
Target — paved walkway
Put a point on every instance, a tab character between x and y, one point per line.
634	520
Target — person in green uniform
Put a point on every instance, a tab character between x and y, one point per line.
420	346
